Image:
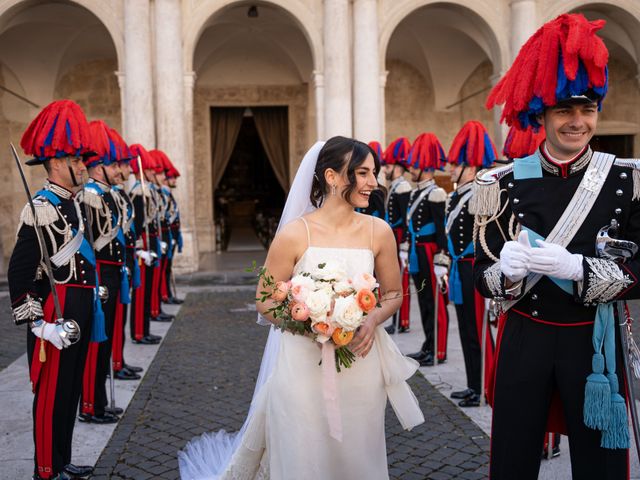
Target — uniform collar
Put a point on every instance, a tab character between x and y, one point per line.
103	186
397	181
425	183
461	190
564	169
57	189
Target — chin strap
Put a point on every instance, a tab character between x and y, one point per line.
73	176
106	177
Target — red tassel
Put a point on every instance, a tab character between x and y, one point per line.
427	153
472	137
60	129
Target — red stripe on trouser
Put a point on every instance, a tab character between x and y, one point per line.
164	294
492	381
441	305
489	351
155	292
89	379
118	339
45	384
138	314
405	308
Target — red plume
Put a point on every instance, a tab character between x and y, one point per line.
148	162
427	153
522	143
472	146
397	151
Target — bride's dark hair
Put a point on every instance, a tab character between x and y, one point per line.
341	154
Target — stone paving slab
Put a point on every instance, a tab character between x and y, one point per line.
13	341
203	378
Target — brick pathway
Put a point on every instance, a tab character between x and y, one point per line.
13	341
203	377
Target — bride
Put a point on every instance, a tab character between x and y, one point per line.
289	432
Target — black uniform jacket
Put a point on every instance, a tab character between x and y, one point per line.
538	203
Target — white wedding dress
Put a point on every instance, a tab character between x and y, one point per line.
287	435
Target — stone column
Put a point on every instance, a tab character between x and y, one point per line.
318	83
524	23
337	69
366	88
139	124
383	109
123	102
170	119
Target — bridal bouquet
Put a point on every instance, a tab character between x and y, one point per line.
324	304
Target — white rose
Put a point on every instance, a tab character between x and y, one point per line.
304	281
364	280
347	313
329	271
319	303
342	287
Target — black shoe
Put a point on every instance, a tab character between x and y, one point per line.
462	394
175	301
160	318
427	360
146	341
126	374
418	355
555	452
154	337
114	411
61	476
79	471
133	369
471	401
103	419
404	330
390	329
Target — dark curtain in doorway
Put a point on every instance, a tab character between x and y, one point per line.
272	124
225	126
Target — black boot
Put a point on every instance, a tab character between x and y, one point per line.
133	369
78	471
471	401
462	394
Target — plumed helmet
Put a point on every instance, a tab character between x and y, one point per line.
123	153
427	153
59	130
104	149
397	152
147	161
564	60
472	147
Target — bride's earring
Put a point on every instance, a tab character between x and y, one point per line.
333	189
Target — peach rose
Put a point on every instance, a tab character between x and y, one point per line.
299	312
300	292
341	337
364	280
323	328
280	291
366	300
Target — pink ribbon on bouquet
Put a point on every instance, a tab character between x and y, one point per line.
330	390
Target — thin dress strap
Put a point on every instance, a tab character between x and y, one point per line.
306	225
372	223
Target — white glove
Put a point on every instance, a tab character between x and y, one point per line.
145	256
514	258
555	261
51	333
404	258
164	246
440	271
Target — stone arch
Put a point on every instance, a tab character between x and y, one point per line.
553	9
101	9
495	37
199	18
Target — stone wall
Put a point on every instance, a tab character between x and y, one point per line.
409	104
301	134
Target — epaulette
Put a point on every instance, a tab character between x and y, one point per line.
634	164
437	195
137	190
486	190
403	187
91	198
46	213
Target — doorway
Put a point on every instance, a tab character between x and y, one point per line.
249	196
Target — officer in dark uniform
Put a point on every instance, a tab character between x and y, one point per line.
131	272
146	245
470	305
105	220
559	356
173	218
395	215
56	139
426	244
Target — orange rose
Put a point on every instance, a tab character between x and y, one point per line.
322	328
280	291
366	300
341	337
